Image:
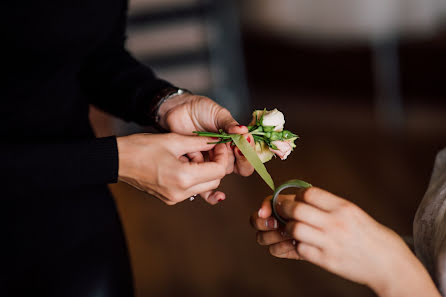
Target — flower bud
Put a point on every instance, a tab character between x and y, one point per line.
274	118
284	148
263	151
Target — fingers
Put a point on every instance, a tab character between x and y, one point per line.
284	249
305	233
265	210
310	253
320	198
244	168
262	220
303	212
271	237
237	129
212	197
209	196
196	157
181	144
203	188
215	169
263	224
231	159
225	121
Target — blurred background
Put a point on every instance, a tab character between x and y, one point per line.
361	81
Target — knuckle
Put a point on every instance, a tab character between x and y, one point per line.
178	197
296	209
216	184
348	209
182	180
308	193
221	172
296	230
173	197
273	250
223	111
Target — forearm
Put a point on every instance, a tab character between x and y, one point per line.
409	278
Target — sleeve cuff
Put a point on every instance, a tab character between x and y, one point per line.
102	161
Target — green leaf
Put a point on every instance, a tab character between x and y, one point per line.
276	136
268	128
251	155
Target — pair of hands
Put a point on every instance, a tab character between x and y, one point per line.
338	236
173	166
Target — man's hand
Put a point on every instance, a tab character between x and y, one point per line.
186	113
157	164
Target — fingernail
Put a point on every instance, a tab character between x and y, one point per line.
232	146
260	212
271	223
241	126
219	200
294	242
240	153
248	139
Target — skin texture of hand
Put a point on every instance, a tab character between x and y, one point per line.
157	164
338	236
187	113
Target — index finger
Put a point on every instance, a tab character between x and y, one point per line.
208	171
319	198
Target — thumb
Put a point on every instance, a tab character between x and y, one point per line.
226	122
189	144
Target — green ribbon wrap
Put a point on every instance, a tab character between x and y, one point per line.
294	183
251	155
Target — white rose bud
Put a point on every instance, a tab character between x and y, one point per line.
263	151
274	118
284	148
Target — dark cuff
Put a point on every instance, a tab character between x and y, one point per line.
148	98
102	161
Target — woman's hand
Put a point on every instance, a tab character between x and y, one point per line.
186	113
171	166
338	236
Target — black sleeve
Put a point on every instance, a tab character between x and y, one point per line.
116	82
60	165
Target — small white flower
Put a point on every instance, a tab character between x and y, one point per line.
284	148
270	118
263	151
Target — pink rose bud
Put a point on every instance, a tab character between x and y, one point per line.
284	148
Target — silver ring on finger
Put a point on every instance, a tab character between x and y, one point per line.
191	198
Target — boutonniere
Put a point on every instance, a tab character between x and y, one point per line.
267	129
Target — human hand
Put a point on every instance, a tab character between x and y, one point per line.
170	166
338	236
186	113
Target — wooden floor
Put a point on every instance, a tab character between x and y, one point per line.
193	249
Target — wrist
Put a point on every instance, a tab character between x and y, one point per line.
123	157
165	100
168	106
406	277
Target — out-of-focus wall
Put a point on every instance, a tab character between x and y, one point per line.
164	39
348	20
